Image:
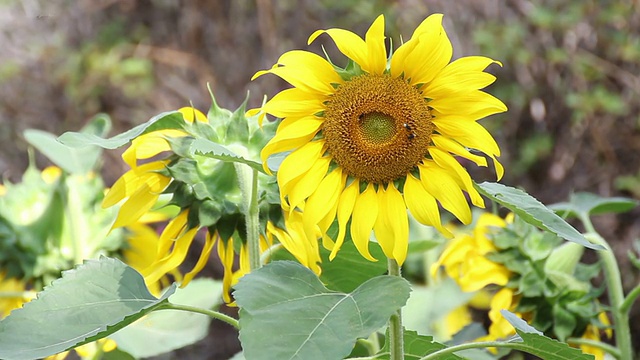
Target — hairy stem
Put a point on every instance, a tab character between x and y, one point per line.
396	336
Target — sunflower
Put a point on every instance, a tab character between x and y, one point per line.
380	136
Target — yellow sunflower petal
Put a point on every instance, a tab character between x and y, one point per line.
202	260
226	255
305	71
345	210
309	182
445	160
454	147
171	232
423	205
392	224
399	58
323	200
365	213
429	56
473	105
376	50
129	182
177	256
141	201
149	145
296	164
294	102
439	183
190	113
291	134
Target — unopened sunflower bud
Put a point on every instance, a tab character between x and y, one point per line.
564	258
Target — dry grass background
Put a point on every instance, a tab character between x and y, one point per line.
570	77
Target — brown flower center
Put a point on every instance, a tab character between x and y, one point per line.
377	128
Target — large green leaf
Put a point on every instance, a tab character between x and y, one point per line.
533	212
535	343
286	312
214	150
583	204
166	120
349	269
416	347
166	330
89	302
74	160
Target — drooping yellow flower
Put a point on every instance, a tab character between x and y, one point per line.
464	259
500	328
370	141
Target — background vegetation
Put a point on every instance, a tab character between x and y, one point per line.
570	78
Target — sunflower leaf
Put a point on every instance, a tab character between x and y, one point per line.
534	212
416	347
311	322
583	204
214	150
165	120
71	159
534	342
88	303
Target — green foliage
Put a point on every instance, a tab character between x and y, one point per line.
534	342
532	211
582	205
90	302
416	347
312	322
162	331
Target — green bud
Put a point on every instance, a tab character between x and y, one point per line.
564	258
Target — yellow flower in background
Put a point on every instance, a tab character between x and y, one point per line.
380	137
593	333
12	295
464	260
500	328
295	240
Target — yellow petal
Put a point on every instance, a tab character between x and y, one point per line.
171	232
454	147
149	145
463	75
345	209
399	58
472	105
296	164
190	113
350	44
202	260
446	161
226	255
129	182
429	56
294	102
423	205
443	187
177	256
142	200
392	224
365	213
292	133
305	71
376	50
323	200
308	183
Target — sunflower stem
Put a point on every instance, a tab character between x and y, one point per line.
253	224
396	336
613	280
212	314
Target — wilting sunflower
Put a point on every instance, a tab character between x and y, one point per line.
381	136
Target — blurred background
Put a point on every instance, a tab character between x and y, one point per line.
570	77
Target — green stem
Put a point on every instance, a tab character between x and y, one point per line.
396	336
596	344
614	288
253	224
475	345
629	300
212	314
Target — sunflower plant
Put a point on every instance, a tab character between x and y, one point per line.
315	213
